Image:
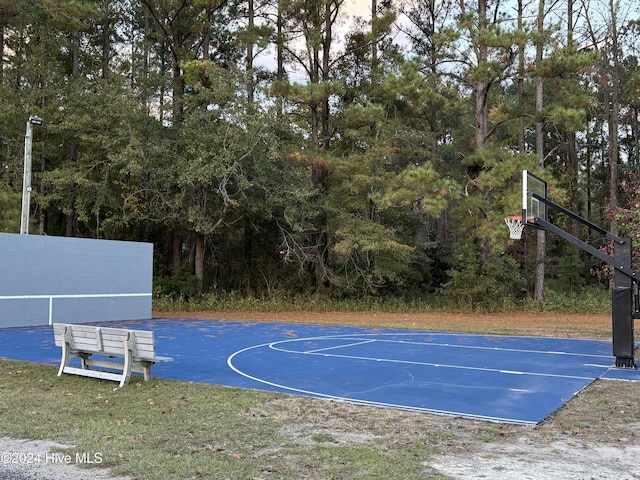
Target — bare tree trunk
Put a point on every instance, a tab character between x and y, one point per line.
279	57
614	111
635	140
573	162
69	230
175	261
249	64
374	42
521	136
538	290
482	86
2	56
106	38
145	64
326	49
588	170
198	263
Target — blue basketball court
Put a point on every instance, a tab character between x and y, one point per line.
518	380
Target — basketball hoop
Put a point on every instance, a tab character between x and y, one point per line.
516	225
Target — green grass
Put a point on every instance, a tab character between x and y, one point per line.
174	430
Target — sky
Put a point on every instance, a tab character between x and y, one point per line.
361	8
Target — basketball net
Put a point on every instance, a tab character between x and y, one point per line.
515	225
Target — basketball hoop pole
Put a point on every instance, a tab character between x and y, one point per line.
624	302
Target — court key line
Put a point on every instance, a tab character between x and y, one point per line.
274	346
338	346
365	402
452	345
426	364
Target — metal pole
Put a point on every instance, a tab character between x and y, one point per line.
26	180
622	308
26	177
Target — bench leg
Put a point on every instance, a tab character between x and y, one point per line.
83	360
64	361
146	370
126	374
129	352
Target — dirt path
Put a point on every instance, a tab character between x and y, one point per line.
560	324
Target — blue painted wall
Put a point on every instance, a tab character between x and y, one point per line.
40	266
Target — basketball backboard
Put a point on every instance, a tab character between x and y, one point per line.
532	207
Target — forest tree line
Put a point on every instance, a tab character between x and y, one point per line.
291	146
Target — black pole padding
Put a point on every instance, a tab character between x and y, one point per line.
622	303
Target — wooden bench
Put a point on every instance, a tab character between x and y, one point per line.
136	347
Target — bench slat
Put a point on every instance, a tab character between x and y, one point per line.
113	340
116	377
156	359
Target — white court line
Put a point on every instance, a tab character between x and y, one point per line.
79	295
70	296
364	402
478	347
273	346
338	346
451	345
